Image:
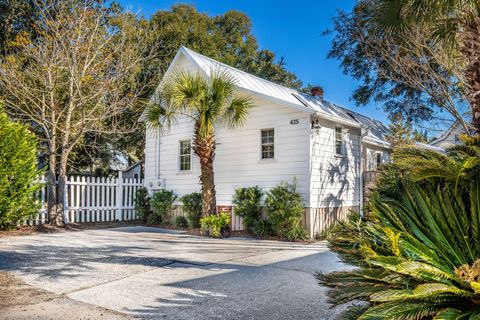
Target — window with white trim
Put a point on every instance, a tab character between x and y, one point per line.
339	141
268	144
185	155
379	159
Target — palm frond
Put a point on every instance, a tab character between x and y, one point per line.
237	111
159	118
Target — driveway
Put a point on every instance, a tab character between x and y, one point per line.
153	273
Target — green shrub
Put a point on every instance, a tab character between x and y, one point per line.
284	208
162	207
262	228
248	205
418	248
18	173
142	204
181	222
192	206
215	224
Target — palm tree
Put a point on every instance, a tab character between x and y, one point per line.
207	101
418	250
454	24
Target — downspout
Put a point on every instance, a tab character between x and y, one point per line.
363	133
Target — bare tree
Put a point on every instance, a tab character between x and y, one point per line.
79	76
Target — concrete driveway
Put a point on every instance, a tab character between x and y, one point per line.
160	274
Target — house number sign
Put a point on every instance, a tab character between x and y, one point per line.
294	121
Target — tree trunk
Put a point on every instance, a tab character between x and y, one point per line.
470	49
205	150
62	189
52	187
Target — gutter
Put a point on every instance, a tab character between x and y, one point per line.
377	142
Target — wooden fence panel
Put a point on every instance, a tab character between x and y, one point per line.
92	199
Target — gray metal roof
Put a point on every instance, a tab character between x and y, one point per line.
376	130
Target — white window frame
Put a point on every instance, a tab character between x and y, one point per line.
180	155
274	144
342	141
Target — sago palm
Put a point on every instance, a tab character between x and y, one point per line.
418	251
207	101
454	24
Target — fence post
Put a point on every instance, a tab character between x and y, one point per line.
65	202
119	197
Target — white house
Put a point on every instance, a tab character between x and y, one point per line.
450	137
288	135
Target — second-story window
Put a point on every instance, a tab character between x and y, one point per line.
339	141
185	157
268	144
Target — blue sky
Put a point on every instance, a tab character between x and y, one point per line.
292	29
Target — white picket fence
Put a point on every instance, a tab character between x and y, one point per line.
94	199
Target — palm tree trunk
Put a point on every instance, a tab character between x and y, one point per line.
204	148
470	49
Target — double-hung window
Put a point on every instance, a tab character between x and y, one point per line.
185	155
268	144
339	142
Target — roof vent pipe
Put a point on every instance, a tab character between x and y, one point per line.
317	92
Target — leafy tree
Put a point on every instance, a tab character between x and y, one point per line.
401	132
78	76
418	250
227	38
16	16
18	172
405	70
206	102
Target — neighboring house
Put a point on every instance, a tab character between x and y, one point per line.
134	171
450	137
288	135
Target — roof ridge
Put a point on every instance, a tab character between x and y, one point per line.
324	102
236	69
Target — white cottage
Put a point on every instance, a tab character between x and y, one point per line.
288	135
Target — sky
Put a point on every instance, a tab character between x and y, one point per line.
292	29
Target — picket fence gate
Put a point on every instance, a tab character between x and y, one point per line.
93	199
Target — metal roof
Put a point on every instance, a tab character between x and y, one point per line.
376	130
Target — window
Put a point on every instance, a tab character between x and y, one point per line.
268	144
185	155
379	159
339	141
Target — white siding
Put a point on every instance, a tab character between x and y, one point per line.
334	180
237	162
370	156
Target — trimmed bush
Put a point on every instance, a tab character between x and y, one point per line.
18	172
248	205
262	228
215	225
192	205
162	207
284	209
181	222
142	204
